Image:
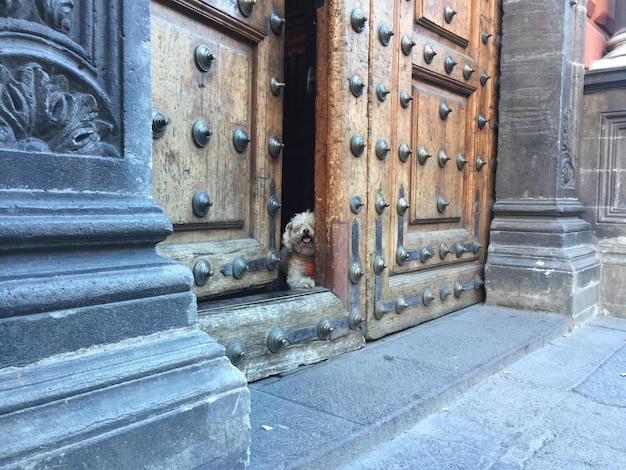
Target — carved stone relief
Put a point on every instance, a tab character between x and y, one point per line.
53	89
568	176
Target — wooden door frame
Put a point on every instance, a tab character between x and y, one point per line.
338	175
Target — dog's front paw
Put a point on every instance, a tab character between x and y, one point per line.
302	283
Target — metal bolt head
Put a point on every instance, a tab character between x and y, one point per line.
358	20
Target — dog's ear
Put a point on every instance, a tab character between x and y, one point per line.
287	236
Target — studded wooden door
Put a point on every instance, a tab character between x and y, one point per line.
433	67
217	139
218	92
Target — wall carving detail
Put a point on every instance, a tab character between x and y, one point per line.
53	13
568	174
39	112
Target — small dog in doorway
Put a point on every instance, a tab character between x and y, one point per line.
297	254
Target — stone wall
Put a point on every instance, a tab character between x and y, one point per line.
603	179
101	361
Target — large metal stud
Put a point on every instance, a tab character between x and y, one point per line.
449	64
448	13
379	310
201	133
443	158
405	99
273	205
484	76
240	267
325	329
444	292
478	282
159	123
382	149
356	273
356	319
380	204
460	249
236	351
402	206
276	86
277	340
272	258
241	140
407	45
382	92
246	6
357	145
275	146
401	255
202	272
442	204
277	22
460	162
426	253
481	120
459	288
384	34
200	203
401	304
468	71
444	110
422	155
429	53
485	35
476	246
379	265
356	85
358	20
204	58
356	204
480	163
404	152
444	250
428	296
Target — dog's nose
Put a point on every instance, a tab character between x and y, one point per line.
306	232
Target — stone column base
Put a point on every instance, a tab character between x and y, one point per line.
170	400
540	258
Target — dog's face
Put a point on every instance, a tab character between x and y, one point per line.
299	236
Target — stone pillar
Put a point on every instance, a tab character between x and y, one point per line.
540	254
101	364
616	46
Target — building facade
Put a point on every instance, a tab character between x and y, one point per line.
153	152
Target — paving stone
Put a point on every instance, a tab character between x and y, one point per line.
292	430
568	361
608	383
391	385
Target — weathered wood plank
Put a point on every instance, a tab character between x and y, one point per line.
253	321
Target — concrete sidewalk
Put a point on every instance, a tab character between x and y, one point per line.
334	413
563	407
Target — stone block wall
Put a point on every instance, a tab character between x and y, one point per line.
602	174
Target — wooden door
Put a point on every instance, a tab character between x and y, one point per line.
430	183
216	166
218	91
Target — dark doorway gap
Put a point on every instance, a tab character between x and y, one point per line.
299	109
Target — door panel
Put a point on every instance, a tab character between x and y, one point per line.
450	19
222	189
219	184
426	252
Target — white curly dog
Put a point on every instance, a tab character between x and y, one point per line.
298	252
